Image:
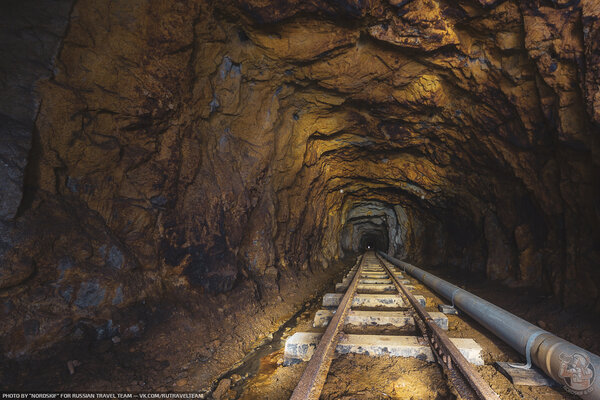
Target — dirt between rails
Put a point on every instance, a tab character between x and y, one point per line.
364	377
355	376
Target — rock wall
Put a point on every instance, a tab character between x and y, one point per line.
204	147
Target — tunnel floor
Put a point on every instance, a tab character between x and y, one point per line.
167	359
356	376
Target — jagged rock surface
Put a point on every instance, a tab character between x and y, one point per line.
203	148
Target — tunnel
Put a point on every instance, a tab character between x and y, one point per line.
181	181
370	225
373	240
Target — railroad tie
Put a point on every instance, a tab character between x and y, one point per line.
379	298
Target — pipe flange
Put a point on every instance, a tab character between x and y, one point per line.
530	341
453	294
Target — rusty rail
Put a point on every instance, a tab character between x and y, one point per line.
312	380
466	380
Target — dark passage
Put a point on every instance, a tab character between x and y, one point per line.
373	241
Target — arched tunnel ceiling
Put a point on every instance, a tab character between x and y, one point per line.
219	146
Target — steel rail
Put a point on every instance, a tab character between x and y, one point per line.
442	347
549	352
313	378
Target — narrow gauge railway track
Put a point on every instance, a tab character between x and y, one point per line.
377	274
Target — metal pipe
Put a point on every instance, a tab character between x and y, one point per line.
576	369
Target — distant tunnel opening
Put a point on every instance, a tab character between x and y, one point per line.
374	241
373	225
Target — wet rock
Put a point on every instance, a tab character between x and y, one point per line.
66	293
133	331
72	184
118	297
114	258
158	201
90	294
64	264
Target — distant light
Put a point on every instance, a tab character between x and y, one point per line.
341	190
422	197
